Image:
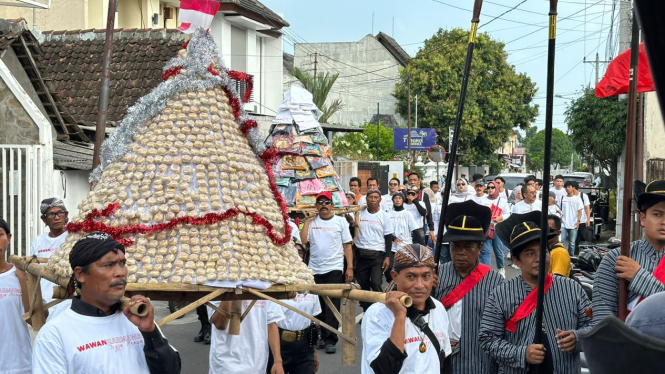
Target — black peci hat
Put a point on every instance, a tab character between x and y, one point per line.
648	195
519	230
466	221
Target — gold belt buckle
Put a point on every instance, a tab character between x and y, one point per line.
454	344
288	336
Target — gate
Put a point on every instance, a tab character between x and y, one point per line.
22	181
655	169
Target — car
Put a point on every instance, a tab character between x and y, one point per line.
489	178
582	179
513	179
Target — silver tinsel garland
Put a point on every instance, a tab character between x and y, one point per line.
202	52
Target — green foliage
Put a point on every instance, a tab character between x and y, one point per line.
320	87
361	146
598	128
561	150
498	99
523	141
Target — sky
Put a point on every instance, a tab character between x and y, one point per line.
584	27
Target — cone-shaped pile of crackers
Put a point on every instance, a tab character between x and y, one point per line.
304	165
186	186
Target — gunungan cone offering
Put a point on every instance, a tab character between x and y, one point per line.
186	185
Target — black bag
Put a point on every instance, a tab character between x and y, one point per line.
367	254
444	362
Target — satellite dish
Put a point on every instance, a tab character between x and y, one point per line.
436	153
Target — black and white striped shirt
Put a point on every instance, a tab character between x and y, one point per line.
564	308
468	357
606	284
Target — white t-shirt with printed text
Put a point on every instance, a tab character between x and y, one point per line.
15	341
376	328
305	302
413	209
373	228
326	239
523	207
403	223
569	207
73	343
43	247
246	353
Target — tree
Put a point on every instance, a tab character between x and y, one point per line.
320	87
562	148
498	99
523	141
598	128
361	146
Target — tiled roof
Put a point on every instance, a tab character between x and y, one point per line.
254	6
387	120
394	48
16	35
287	62
73	60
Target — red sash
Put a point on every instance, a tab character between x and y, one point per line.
465	286
527	306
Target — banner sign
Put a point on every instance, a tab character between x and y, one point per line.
519	151
421	139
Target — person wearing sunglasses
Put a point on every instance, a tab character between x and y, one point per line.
461	192
419	212
329	245
55	216
387	199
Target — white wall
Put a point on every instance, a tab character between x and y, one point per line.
654	130
72	187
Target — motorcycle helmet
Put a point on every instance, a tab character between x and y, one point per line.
588	261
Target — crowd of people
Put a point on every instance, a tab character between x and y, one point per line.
465	317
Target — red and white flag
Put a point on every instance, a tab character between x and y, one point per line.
196	13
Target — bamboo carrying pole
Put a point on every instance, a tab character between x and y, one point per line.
629	165
359	295
452	155
35	270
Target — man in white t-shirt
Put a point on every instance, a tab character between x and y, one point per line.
330	244
372	246
372	184
54	215
397	339
530	203
96	335
387	199
571	207
559	190
585	232
246	353
480	197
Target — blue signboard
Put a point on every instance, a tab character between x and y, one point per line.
421	139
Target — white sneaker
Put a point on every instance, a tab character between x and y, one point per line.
508	256
515	266
502	271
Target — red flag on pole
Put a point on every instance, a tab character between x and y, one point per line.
616	77
196	13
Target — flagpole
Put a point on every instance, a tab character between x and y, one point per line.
628	173
103	103
452	154
544	227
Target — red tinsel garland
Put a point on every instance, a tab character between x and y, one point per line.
240	76
171	72
119	233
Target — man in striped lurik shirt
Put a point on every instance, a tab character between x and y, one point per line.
645	268
508	327
465	284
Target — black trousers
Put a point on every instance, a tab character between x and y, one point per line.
585	233
327	316
389	277
369	274
418	236
297	357
202	313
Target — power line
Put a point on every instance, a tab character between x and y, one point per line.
503	14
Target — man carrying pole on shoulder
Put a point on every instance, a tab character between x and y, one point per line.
645	268
397	339
465	284
508	328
